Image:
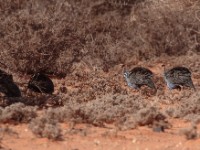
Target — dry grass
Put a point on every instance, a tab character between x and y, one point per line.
17	113
85	42
46	128
52	36
190	133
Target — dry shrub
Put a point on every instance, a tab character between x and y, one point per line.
120	7
61	114
150	116
36	34
190	133
161	126
147	116
108	109
8	131
45	128
161	28
96	112
52	36
17	113
42	100
62	36
188	106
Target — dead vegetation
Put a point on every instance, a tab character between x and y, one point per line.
17	113
44	36
84	42
190	133
46	128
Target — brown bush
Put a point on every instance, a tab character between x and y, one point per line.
188	107
45	127
190	133
149	116
51	36
86	38
17	113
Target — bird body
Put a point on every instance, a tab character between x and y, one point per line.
7	85
9	88
41	83
5	76
138	77
178	76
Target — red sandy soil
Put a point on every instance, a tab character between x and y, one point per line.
96	138
86	136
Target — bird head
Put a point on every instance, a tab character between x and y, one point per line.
126	74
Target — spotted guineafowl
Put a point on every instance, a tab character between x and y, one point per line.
177	77
138	77
41	83
7	85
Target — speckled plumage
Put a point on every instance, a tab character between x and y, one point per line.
178	76
138	77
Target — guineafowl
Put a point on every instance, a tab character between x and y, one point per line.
41	83
177	77
138	77
7	85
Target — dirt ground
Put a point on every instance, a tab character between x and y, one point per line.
85	136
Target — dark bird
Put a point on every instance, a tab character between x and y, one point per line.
41	83
5	75
177	77
138	77
7	85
